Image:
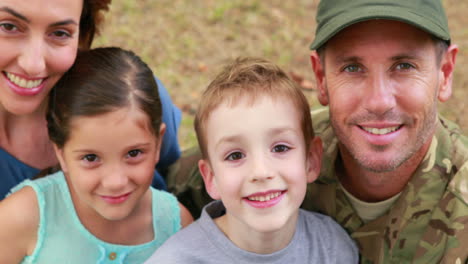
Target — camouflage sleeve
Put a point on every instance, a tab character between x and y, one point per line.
186	183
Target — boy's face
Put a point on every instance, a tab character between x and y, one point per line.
258	165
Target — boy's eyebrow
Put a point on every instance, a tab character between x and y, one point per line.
14	13
225	139
274	131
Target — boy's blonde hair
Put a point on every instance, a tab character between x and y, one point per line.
252	78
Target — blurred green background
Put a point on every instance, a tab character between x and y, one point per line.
186	43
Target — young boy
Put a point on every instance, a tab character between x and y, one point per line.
259	152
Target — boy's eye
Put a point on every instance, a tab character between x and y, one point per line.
280	148
235	156
134	153
90	158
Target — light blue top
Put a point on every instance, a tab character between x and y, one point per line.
63	239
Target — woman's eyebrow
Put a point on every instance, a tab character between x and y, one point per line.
14	13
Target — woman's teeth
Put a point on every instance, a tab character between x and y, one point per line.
23	83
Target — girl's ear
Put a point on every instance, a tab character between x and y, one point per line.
162	131
61	158
314	159
208	177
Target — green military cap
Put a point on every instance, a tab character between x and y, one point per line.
335	15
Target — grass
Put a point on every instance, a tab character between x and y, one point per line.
187	42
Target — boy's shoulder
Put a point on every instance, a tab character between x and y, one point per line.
192	244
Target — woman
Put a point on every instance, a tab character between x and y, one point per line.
39	41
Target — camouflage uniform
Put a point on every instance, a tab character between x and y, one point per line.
429	221
427	224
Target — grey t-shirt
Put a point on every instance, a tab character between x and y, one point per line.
318	239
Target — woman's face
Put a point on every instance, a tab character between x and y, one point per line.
39	42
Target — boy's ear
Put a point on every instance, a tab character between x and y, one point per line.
208	177
61	158
314	159
162	131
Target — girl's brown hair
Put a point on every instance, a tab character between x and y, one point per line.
102	80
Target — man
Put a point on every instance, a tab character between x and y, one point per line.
395	173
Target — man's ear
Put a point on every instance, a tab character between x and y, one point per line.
319	72
159	138
314	159
447	67
61	158
208	177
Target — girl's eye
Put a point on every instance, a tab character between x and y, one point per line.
280	148
90	158
404	66
352	68
134	153
8	27
235	156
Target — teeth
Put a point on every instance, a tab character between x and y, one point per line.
23	82
380	131
265	198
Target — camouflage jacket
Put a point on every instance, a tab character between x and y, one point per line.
429	221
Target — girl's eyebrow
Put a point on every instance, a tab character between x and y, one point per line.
14	13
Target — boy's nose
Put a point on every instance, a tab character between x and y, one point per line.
261	169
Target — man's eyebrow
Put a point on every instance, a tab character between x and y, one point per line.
14	13
404	57
347	59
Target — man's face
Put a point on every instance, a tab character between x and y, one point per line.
382	79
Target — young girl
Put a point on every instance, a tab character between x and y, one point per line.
104	120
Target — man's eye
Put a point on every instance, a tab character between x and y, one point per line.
235	156
352	68
134	153
404	66
280	148
90	157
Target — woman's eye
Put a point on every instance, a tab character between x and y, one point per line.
134	153
90	158
235	156
61	34
280	148
9	27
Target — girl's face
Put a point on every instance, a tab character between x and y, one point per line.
109	162
39	42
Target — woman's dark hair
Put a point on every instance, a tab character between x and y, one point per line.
91	19
102	80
